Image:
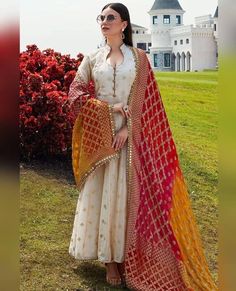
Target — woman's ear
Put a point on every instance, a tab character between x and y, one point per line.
126	24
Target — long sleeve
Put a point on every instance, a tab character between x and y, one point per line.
79	88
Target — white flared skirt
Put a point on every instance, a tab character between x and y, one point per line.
99	228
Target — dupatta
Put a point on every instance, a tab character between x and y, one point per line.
163	249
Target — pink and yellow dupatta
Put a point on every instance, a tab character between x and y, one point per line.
163	247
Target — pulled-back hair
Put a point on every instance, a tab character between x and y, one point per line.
124	14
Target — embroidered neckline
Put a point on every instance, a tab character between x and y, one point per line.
123	48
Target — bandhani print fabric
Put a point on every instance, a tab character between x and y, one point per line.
163	245
92	138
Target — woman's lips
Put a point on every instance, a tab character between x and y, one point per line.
105	28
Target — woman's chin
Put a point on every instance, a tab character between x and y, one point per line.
105	34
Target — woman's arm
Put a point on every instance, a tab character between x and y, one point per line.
78	91
122	135
118	107
120	138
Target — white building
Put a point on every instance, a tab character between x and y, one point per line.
173	46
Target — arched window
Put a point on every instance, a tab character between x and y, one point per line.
155	60
167	60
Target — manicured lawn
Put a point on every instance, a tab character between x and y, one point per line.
49	195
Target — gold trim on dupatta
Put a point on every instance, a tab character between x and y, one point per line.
81	180
129	122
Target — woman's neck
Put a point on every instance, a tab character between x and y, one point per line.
115	44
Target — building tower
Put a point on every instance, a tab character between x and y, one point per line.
164	15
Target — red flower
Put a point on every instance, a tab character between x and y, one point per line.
45	119
35	82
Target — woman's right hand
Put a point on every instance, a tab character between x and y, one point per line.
118	107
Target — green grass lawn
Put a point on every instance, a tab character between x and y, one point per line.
49	195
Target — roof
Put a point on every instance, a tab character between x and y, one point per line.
216	13
166	4
137	26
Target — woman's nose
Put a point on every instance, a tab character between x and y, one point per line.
104	20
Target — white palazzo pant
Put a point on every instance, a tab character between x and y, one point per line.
99	229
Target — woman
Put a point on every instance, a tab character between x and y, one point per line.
133	212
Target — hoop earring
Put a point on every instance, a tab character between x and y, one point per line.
123	35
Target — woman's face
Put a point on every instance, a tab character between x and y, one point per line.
112	28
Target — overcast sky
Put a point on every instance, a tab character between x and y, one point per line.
70	27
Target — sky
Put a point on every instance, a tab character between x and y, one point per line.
70	27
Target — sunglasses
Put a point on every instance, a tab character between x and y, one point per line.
109	17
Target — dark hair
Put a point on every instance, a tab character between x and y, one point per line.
124	14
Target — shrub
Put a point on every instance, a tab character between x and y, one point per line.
46	121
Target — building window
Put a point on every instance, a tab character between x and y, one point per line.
167	60
142	45
149	45
166	19
187	40
178	19
154	19
175	42
215	27
181	41
155	60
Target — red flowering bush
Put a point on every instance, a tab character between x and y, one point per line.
46	121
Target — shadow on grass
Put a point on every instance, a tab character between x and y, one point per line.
95	273
58	167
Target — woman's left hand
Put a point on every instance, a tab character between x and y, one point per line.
120	138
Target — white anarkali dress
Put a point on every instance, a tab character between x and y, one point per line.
99	228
